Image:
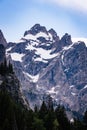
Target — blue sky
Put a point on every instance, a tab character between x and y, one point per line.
69	16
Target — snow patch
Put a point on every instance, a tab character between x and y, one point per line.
30	47
44	54
34	78
20	41
17	57
52	91
73	93
29	37
72	86
68	47
41	60
85	86
66	70
9	49
34	43
34	37
62	57
72	120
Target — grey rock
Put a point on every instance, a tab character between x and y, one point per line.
64	76
2	39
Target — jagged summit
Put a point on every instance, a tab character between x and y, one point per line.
35	29
39	36
46	64
42	33
2	39
66	39
54	34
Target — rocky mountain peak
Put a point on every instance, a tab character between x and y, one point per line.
54	34
35	29
2	39
66	39
45	64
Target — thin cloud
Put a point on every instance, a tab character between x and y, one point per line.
77	5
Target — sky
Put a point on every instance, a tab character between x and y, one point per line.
64	16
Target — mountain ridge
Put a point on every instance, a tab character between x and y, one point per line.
46	64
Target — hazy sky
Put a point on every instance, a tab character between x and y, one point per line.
69	16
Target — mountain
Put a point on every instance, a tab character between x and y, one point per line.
46	64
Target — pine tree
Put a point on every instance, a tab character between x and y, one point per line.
43	110
38	124
49	120
62	118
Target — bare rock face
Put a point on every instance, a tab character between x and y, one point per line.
36	29
65	78
3	45
50	65
2	39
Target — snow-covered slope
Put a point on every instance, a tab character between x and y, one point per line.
46	64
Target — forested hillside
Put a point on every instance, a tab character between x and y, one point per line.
14	117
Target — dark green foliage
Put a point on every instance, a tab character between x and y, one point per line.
7	114
43	111
6	68
49	120
62	118
78	125
14	117
38	124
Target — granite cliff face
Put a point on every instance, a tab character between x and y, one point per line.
46	64
3	45
2	39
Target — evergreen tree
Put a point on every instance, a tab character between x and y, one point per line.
30	119
6	68
49	120
62	118
6	125
79	125
38	124
43	110
55	125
